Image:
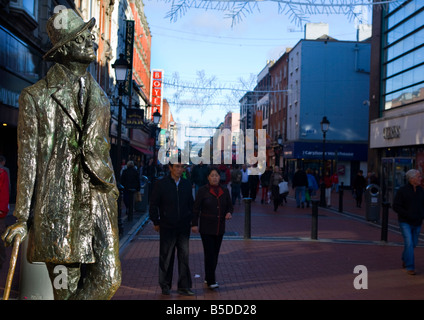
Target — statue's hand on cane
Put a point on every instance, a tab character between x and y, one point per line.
13	230
13	235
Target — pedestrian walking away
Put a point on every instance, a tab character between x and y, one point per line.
212	207
265	179
359	185
275	179
199	176
312	185
130	180
235	184
244	182
327	184
171	206
300	183
409	205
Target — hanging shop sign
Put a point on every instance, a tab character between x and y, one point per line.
156	88
135	118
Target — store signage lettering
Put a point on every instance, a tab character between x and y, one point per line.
135	118
391	132
129	48
156	91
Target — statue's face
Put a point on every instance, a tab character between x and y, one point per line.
81	48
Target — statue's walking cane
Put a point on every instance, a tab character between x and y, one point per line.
12	266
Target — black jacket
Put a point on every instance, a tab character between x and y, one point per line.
300	179
210	209
409	205
171	206
130	179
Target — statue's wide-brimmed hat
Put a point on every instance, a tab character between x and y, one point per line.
63	27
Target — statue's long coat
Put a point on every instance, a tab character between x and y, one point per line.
65	175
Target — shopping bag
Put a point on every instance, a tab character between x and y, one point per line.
283	187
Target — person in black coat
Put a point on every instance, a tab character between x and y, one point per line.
130	180
409	205
359	185
212	207
300	183
171	205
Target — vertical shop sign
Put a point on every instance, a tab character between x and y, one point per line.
129	49
156	88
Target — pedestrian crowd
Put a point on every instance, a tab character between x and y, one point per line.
201	198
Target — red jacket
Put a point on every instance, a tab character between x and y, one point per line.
327	181
4	193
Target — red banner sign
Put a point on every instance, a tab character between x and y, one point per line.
156	86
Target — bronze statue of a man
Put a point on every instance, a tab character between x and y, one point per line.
66	184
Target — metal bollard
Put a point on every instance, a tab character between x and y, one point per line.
385	221
247	217
341	197
314	229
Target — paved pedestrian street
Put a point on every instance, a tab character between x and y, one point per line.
280	261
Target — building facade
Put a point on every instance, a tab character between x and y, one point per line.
328	78
277	128
397	93
24	40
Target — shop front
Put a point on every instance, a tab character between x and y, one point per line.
398	139
345	159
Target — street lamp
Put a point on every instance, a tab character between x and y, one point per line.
325	125
277	150
280	140
121	68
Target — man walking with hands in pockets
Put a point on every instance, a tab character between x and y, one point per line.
171	206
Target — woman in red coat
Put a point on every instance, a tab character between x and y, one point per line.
212	207
4	193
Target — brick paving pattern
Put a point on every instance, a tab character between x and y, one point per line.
280	261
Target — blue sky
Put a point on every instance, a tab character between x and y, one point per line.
205	41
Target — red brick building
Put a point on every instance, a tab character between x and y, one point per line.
278	109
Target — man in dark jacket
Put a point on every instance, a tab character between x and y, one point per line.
409	205
131	182
359	185
171	205
300	183
199	176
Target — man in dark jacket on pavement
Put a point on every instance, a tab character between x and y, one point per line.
300	183
199	176
130	179
171	206
409	205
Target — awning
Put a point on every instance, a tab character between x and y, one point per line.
142	150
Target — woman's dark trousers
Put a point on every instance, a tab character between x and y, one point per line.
211	247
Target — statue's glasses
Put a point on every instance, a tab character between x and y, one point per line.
81	38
